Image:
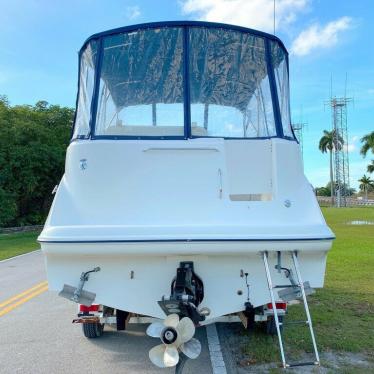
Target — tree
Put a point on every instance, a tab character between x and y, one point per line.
330	141
368	144
325	191
33	141
370	167
365	184
8	207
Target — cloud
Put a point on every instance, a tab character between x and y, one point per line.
133	12
257	14
355	138
352	144
317	36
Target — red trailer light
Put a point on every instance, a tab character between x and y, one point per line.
87	309
278	305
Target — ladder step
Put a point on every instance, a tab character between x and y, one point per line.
311	363
287	286
296	290
295	323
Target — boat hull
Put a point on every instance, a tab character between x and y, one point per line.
134	276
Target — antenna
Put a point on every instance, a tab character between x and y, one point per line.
274	16
345	86
331	86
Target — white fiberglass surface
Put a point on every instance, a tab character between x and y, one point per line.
185	189
152	276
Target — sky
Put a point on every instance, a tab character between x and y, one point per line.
330	44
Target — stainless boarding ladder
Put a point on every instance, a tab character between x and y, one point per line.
308	322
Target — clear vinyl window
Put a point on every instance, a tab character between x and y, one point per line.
142	75
229	84
141	84
86	87
279	61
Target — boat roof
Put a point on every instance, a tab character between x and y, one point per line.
234	96
148	25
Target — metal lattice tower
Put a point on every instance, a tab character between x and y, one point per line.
340	153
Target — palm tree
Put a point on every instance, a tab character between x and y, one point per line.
330	141
368	143
365	184
371	167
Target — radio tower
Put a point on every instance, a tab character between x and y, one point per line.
340	153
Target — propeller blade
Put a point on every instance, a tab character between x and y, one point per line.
156	355
191	349
154	329
185	329
171	356
171	320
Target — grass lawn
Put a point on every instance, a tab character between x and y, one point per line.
17	244
343	311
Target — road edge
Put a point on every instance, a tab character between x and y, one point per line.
18	256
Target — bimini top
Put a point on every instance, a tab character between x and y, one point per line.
183	80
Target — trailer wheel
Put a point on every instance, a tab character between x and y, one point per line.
271	327
92	330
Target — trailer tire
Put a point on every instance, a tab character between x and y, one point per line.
271	327
92	330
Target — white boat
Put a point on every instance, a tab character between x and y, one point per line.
183	158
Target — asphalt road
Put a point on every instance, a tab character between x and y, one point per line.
37	336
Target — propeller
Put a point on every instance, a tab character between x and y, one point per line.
176	336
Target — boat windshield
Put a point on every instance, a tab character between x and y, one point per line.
179	82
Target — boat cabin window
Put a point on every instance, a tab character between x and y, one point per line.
280	65
229	85
141	84
183	79
85	92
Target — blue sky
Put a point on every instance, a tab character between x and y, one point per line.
39	41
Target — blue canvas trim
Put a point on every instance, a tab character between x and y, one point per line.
187	240
95	94
186	82
273	90
128	137
183	24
